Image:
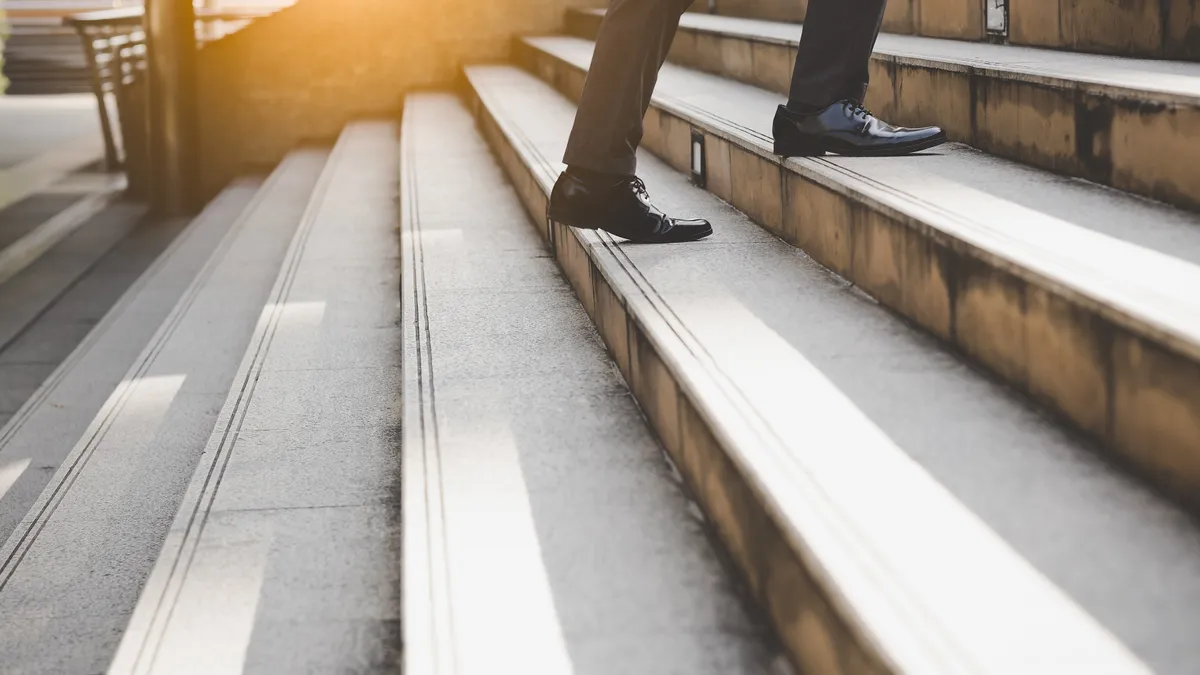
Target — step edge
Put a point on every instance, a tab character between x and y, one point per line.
428	631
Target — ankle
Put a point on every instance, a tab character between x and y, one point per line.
596	177
801	108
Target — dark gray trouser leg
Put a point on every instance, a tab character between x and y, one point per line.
835	50
632	44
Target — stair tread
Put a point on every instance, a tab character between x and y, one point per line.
542	471
782	330
1073	232
53	418
28	295
71	571
291	510
1147	79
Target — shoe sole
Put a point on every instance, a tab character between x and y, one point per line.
700	234
818	149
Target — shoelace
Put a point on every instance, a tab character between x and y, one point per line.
859	108
639	187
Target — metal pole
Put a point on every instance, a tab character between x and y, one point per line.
111	161
171	61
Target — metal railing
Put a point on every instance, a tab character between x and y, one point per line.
115	47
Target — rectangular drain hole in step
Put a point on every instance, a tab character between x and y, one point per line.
698	161
997	18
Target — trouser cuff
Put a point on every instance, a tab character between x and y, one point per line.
623	166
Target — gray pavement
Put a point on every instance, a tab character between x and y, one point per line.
33	125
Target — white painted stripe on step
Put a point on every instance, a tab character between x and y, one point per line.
26	250
18	182
10	472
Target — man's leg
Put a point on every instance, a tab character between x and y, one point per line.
835	50
824	112
598	190
632	44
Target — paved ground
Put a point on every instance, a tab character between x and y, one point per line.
33	125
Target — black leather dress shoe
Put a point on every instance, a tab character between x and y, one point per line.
847	128
623	208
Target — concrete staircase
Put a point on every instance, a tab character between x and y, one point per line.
44	58
374	413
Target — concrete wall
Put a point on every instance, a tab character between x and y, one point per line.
300	75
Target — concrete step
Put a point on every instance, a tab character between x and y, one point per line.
41	62
544	532
284	553
71	570
1077	295
28	240
884	501
1139	28
46	90
1128	123
27	297
53	417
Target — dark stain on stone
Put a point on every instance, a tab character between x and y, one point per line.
1093	137
964	273
973	86
1164	26
1187	47
946	263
